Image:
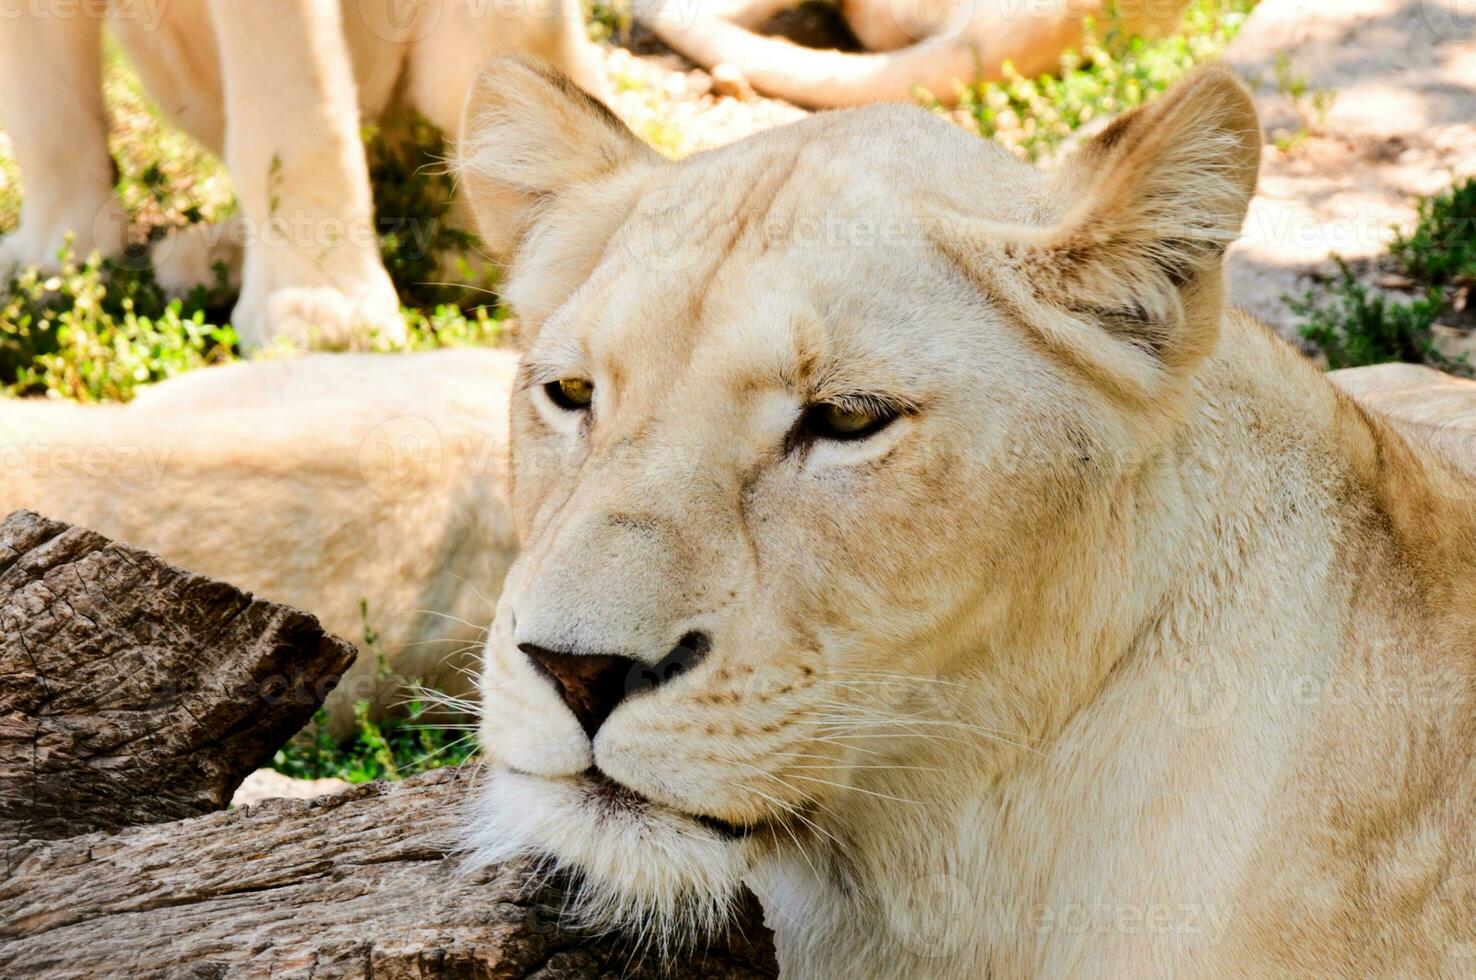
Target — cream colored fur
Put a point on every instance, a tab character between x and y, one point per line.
936	44
1132	648
324	482
278	88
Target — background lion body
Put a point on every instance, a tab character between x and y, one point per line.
365	489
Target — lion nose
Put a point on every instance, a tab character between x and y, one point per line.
594	684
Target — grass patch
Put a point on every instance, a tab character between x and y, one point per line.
1441	250
98	330
387	749
379	750
1111	73
1353	324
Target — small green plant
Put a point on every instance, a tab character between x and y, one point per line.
1442	247
388	749
391	749
1311	104
1353	325
98	330
1111	73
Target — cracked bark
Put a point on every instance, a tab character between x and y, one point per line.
132	691
357	884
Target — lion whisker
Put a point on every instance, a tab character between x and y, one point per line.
868	792
481	630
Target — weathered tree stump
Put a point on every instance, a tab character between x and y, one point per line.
132	691
355	884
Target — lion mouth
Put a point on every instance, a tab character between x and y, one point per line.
609	796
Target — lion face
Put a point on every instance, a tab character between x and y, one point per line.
787	467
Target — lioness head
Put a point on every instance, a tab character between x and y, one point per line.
808	434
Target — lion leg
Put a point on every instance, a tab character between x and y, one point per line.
444	61
52	105
188	257
312	271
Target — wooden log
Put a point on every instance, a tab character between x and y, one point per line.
352	885
132	691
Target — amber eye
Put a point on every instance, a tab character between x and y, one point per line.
842	422
570	394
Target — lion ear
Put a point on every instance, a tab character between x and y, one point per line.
529	134
1128	277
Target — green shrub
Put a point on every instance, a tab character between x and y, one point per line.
1353	325
391	749
1112	72
98	330
1441	249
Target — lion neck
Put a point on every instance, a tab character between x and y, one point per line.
1148	689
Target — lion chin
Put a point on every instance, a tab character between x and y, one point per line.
671	878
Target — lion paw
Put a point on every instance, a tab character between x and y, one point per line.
321	317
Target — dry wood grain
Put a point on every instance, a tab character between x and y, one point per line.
133	691
357	884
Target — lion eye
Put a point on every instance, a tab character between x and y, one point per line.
570	394
842	423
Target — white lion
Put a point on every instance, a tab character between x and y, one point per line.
918	539
278	89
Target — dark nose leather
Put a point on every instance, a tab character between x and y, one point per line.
594	684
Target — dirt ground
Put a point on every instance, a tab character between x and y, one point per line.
1402	78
